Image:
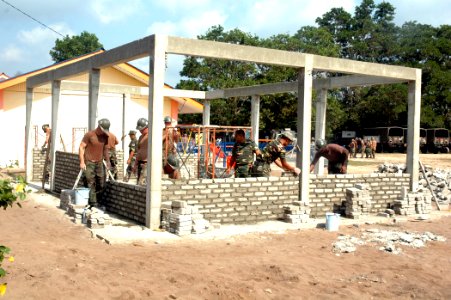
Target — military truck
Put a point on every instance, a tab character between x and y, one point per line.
389	139
438	140
423	140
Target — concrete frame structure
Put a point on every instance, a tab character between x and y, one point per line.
157	46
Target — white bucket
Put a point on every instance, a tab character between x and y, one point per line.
81	196
332	221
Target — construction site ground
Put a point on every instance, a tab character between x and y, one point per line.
57	259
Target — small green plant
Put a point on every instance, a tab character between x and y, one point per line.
9	193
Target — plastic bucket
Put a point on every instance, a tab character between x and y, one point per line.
81	196
332	221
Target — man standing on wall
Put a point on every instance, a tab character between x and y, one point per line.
171	163
274	152
93	150
335	154
132	147
141	152
243	155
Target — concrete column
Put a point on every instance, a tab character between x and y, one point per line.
155	150
255	117
304	111
413	125
56	90
206	113
94	84
320	125
28	145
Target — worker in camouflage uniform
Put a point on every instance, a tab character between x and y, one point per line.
171	137
336	155
112	142
274	152
243	155
93	150
45	150
373	147
141	151
132	147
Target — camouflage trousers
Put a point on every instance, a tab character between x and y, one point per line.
113	163
261	169
95	180
243	171
130	169
334	168
142	173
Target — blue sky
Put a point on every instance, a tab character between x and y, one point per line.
26	44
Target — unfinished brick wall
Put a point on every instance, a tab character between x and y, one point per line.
38	164
68	166
241	200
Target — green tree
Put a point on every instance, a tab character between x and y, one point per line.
70	47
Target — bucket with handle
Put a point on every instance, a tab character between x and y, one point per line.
81	196
332	221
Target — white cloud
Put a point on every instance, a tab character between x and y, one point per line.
192	5
41	35
11	53
109	11
188	26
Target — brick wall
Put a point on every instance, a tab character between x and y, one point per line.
38	164
240	200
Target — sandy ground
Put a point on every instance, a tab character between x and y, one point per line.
56	259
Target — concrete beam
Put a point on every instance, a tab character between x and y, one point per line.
255	117
206	113
28	149
211	49
127	52
183	93
320	125
94	84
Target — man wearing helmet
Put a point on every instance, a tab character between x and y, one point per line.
141	152
243	155
132	147
171	164
93	150
275	152
335	154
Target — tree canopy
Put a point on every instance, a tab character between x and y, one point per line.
70	47
367	35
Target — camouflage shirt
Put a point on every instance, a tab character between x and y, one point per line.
244	152
273	151
132	146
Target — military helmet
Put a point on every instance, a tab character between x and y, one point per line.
132	132
167	119
142	124
288	135
173	162
45	126
320	143
104	125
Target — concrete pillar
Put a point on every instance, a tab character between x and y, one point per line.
28	144
155	150
56	89
255	117
413	125
94	84
320	125
304	111
206	113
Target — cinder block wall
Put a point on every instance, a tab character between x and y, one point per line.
38	164
243	200
68	166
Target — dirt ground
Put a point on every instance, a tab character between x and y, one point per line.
56	259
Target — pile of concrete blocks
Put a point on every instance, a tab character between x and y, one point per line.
391	168
76	212
297	212
182	219
96	218
440	181
358	201
66	197
411	203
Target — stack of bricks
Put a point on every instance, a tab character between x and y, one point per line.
96	219
76	212
183	219
358	201
297	212
411	203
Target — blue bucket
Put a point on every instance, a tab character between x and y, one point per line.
82	196
332	221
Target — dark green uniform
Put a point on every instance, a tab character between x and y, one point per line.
243	154
132	146
272	151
